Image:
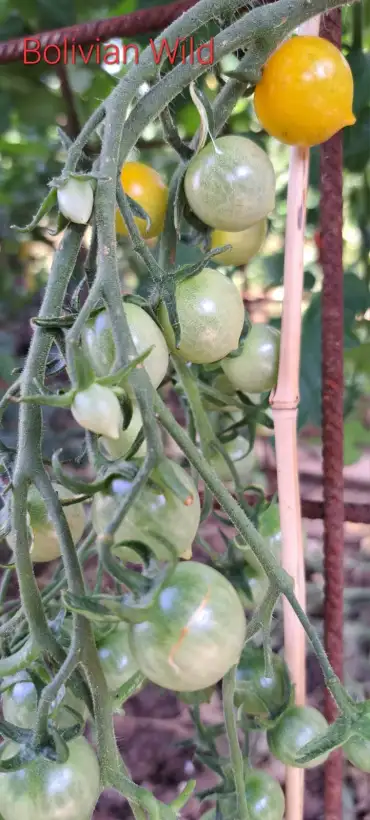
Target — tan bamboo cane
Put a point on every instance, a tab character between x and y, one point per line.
284	403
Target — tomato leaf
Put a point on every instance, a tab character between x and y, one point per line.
45	207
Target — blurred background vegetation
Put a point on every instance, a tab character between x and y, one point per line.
35	100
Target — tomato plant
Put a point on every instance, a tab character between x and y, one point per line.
306	92
127	605
98	342
44	540
298	726
44	790
230	184
255	370
261	692
211	316
157	516
195	633
146	187
19	702
116	657
244	244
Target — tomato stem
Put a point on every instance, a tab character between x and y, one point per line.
236	757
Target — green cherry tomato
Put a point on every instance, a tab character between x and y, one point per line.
116	657
195	633
19	703
297	726
211	316
45	544
98	342
156	516
265	798
230	184
357	751
244	244
269	528
252	586
98	409
44	790
256	369
221	383
263	693
243	461
118	448
76	200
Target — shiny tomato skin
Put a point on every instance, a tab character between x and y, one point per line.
45	544
265	798
118	448
244	244
243	461
230	184
155	515
143	184
116	657
44	790
357	751
211	316
306	92
258	583
97	340
196	630
260	694
19	704
269	528
256	369
297	726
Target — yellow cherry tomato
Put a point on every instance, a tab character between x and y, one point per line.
306	92
147	188
244	244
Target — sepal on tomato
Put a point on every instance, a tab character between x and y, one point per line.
130	688
46	206
21	659
205	111
335	736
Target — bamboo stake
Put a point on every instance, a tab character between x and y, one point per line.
284	403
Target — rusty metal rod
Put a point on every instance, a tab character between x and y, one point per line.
331	224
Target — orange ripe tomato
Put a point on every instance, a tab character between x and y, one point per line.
143	184
306	92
